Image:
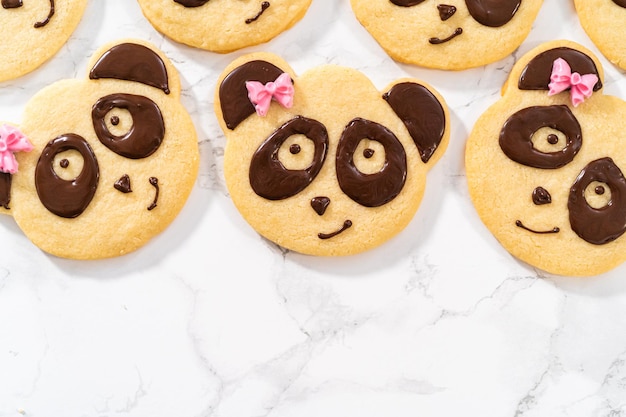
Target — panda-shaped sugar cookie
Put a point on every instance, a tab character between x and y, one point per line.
604	21
545	164
33	31
450	34
223	25
324	163
98	166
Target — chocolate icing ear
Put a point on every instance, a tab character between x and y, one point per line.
493	13
536	75
422	114
132	62
234	101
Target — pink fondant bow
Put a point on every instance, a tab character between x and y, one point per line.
261	95
562	78
11	140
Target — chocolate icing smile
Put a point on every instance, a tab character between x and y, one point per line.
13	4
346	225
438	41
519	224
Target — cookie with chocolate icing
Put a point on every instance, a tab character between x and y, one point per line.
112	157
545	164
604	22
324	163
455	35
34	31
223	25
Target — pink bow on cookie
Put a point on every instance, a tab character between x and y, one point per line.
562	78
11	140
261	95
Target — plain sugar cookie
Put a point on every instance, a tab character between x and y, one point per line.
454	35
33	31
605	23
112	158
223	25
545	164
325	163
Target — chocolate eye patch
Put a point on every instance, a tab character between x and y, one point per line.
144	136
407	3
269	178
604	224
493	13
192	3
517	134
66	198
370	190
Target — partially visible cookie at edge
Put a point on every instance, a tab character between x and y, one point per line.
223	25
456	35
34	31
604	21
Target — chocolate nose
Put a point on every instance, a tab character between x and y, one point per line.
446	11
320	204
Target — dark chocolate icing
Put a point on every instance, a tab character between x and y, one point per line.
521	225
47	19
421	113
493	13
620	3
370	190
66	198
406	3
132	62
346	225
446	11
268	176
264	6
5	189
517	133
145	135
598	225
192	3
123	184
320	204
536	75
439	41
11	4
154	181
541	196
234	101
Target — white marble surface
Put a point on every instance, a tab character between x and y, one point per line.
209	319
